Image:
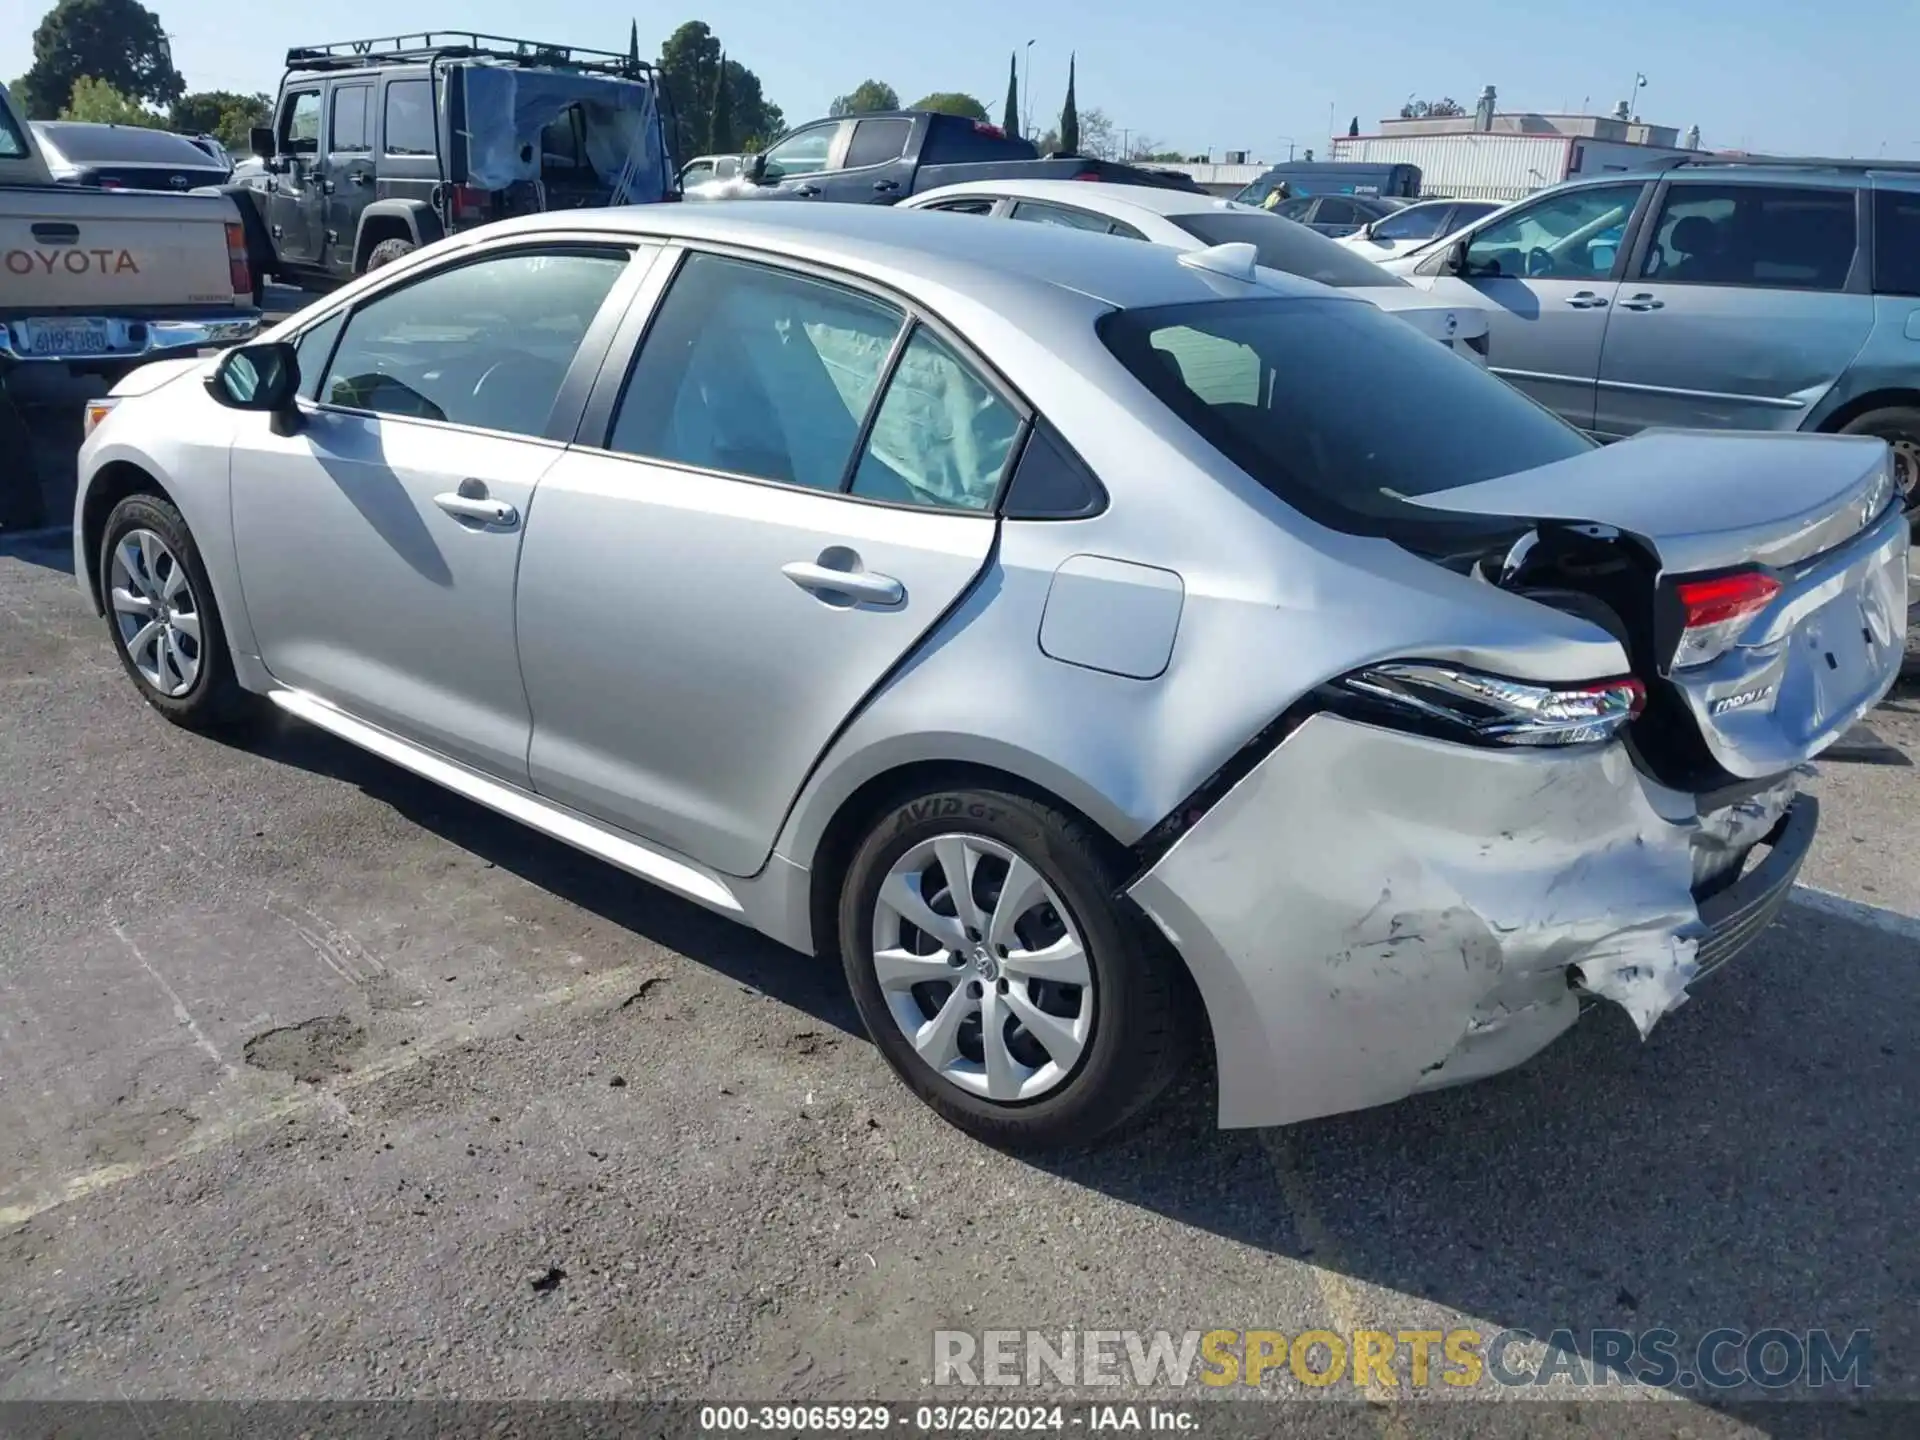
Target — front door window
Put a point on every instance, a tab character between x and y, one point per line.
1571	236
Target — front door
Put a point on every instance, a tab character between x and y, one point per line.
1737	314
378	544
348	178
707	596
296	199
796	167
1544	274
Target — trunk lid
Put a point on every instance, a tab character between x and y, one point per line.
1807	527
1464	328
76	251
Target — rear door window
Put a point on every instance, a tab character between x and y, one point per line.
1041	214
1423	222
971	205
1896	242
1773	237
756	371
352	132
1334	211
1335	406
877	142
942	435
485	344
410	128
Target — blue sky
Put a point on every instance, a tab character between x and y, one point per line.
1239	74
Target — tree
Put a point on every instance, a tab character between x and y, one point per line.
1099	136
1444	109
1010	115
1353	128
952	102
720	135
633	41
99	103
1049	141
1070	116
1145	147
866	97
223	114
690	65
118	42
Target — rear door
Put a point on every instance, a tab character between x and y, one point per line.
1545	275
1743	305
347	179
874	168
794	482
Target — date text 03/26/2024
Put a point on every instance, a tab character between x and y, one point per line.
944	1419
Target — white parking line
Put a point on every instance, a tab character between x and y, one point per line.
1826	902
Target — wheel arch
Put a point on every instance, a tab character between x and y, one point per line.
109	485
393	220
1886	398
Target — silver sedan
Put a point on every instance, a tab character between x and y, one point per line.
1090	644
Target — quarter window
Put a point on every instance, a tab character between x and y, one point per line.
485	345
941	436
1570	236
1768	236
351	121
757	372
410	128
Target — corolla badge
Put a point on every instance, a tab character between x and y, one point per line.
1740	699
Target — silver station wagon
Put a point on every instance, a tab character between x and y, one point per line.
1085	642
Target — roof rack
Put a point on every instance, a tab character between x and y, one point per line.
432	45
1779	162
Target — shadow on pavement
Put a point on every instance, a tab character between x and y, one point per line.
1750	1166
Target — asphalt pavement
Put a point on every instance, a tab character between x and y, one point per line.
320	1082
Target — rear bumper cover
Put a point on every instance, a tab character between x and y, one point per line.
135	339
1368	914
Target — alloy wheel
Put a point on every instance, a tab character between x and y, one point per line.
1906	470
156	612
983	968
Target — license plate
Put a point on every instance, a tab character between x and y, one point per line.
67	337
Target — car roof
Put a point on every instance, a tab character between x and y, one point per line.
86	140
919	250
1105	196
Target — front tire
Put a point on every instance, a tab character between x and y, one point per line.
160	611
1000	978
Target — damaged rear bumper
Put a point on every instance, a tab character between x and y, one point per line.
1370	913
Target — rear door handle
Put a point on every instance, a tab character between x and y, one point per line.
1642	302
862	587
886	184
1586	300
487	512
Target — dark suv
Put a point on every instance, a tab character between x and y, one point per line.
380	146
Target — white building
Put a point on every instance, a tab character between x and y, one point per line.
1493	156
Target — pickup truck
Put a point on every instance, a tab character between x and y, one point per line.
884	156
93	282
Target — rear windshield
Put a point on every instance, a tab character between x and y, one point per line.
1283	245
122	144
1336	407
956	140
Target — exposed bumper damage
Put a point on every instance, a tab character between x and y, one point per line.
1370	913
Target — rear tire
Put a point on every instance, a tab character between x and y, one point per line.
1091	1013
388	251
165	625
1899	426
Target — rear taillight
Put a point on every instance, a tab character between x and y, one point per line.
468	203
1717	611
1456	703
1087	175
237	266
981	127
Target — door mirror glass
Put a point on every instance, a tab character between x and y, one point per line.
260	141
257	377
1456	260
757	166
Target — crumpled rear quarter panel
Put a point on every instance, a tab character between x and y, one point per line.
1370	913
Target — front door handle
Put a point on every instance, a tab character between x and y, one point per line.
1642	302
846	587
806	192
1586	300
478	507
358	177
886	184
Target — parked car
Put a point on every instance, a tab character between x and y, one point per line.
380	146
96	283
1758	295
124	157
1056	629
882	157
218	152
1337	215
1414	225
1194	222
1334	177
707	169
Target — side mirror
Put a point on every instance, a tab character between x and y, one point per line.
260	141
1365	232
262	377
756	167
1456	261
